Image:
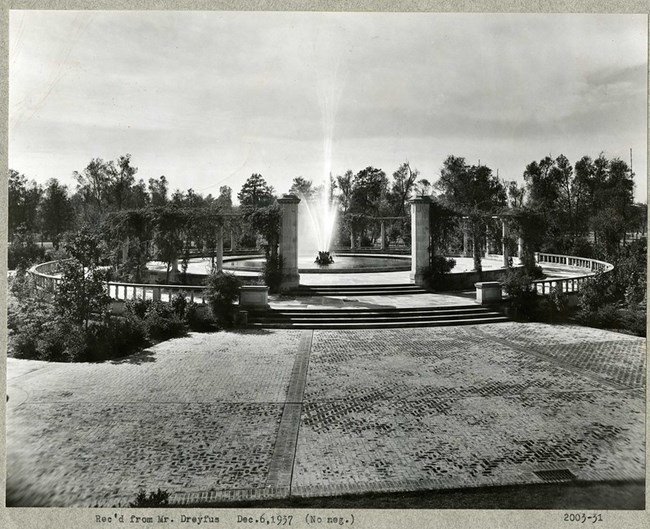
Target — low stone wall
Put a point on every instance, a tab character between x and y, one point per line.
467	280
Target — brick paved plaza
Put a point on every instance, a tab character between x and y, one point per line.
262	414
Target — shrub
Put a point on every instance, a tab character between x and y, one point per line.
196	319
596	292
162	323
634	319
273	273
522	296
555	306
222	291
190	313
138	307
179	304
434	274
155	499
26	321
21	284
113	337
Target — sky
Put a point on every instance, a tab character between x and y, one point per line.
208	98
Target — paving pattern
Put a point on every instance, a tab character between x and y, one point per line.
255	414
467	408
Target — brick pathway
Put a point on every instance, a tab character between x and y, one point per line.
252	413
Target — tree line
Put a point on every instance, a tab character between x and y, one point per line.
582	209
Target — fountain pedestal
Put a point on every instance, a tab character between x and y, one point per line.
289	242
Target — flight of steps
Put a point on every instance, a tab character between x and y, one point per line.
364	318
358	290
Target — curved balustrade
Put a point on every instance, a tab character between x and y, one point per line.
569	284
120	291
44	276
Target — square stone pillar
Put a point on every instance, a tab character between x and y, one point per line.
289	242
220	249
504	242
420	238
465	241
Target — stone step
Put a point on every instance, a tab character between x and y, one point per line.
359	290
331	318
387	317
379	324
347	311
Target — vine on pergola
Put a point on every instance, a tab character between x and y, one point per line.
166	233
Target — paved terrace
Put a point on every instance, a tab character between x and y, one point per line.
261	414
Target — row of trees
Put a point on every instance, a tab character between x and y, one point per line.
560	207
103	188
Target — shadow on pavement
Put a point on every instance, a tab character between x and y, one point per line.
613	495
139	358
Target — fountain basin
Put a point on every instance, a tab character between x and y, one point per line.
347	263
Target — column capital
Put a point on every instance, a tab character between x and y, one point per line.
420	200
288	199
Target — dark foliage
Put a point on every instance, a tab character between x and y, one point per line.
273	273
522	297
160	498
222	291
434	274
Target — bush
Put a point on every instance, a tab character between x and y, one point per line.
26	322
114	337
273	273
162	323
634	319
434	274
21	284
555	306
222	291
196	319
137	307
155	499
522	296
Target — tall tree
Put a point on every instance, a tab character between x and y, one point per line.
24	197
472	191
224	200
122	177
57	213
158	191
93	185
344	184
404	179
256	193
302	188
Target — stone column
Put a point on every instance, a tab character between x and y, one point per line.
504	242
420	237
174	272
220	249
383	235
125	250
520	247
487	240
289	242
233	240
465	240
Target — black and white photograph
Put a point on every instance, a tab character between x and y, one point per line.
290	268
